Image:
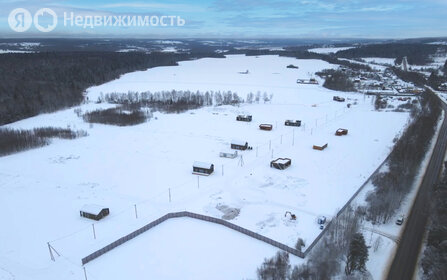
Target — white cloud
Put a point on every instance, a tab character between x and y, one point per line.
161	6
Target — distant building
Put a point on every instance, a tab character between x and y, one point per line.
281	163
338	98
341	131
320	147
202	168
265	126
404	64
244	118
94	212
228	154
292	123
239	145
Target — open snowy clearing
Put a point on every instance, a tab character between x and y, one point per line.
170	251
119	167
329	50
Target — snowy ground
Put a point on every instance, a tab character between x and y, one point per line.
120	167
329	50
379	60
162	253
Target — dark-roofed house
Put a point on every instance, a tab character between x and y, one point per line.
292	123
281	163
202	168
94	212
320	147
239	145
341	131
265	126
244	118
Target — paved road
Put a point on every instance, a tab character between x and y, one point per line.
404	262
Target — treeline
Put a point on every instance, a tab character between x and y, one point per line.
434	258
330	58
137	107
176	100
116	116
416	78
16	140
416	53
34	83
343	246
391	187
336	80
436	78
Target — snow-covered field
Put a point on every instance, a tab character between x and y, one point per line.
379	60
42	190
329	50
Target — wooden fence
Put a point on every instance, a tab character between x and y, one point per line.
186	214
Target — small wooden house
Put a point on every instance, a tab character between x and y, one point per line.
228	154
338	98
265	126
341	131
239	145
202	168
94	212
320	147
313	81
292	123
281	163
244	118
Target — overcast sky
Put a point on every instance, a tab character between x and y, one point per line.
248	18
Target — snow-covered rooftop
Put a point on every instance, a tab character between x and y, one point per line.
202	164
282	160
238	142
92	209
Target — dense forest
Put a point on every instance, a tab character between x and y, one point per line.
35	83
336	80
416	78
16	140
435	253
417	54
392	186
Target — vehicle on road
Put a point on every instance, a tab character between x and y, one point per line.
400	220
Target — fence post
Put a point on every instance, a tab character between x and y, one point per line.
85	272
51	253
136	212
94	232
